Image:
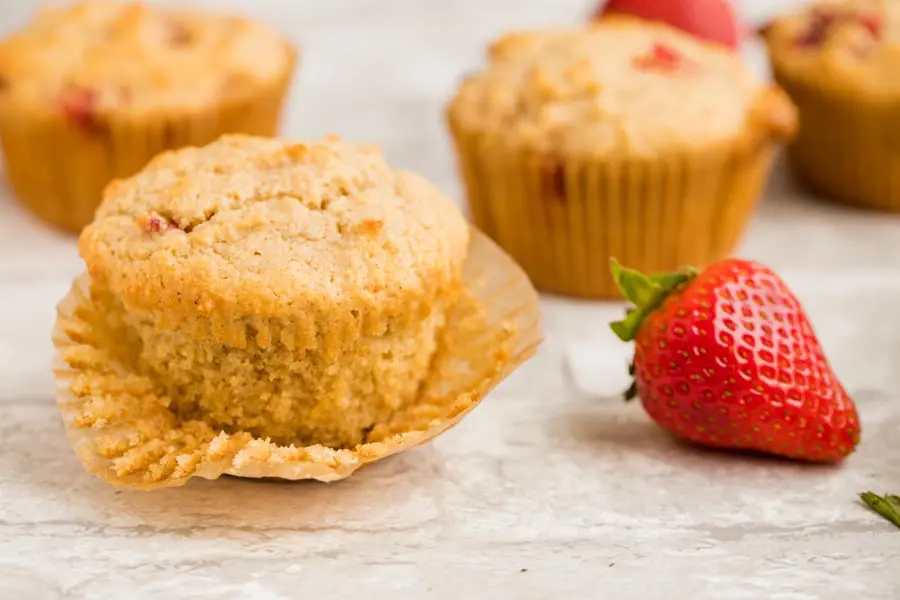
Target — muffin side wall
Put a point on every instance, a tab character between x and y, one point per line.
328	386
847	147
562	219
59	169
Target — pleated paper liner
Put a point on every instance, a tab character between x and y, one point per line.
126	435
58	169
848	148
562	219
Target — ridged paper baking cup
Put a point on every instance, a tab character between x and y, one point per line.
847	148
58	169
125	434
562	219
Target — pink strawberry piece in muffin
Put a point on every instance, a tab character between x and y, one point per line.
79	104
824	20
664	58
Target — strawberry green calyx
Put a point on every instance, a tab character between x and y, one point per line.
888	506
645	292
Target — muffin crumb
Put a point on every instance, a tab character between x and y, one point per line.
370	226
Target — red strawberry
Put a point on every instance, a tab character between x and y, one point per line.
727	358
712	20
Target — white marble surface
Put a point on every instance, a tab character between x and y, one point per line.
553	488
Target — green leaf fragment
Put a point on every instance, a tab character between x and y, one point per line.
635	286
646	293
668	281
632	392
888	506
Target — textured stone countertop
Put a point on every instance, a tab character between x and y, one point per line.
553	488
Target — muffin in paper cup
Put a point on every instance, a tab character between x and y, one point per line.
257	329
838	64
626	139
91	91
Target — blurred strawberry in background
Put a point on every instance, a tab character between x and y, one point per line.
712	20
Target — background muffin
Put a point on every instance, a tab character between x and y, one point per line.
291	291
838	61
92	91
626	139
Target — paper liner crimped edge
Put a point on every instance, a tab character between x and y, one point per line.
488	336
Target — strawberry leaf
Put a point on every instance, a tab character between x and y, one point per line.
888	506
645	293
637	287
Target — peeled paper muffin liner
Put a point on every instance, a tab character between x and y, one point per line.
562	218
848	147
58	169
126	435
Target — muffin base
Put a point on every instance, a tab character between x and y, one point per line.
129	437
563	219
289	395
847	148
58	170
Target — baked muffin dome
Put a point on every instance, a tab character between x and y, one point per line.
290	290
132	59
620	87
850	46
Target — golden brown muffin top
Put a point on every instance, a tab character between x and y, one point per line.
850	45
252	226
621	86
101	56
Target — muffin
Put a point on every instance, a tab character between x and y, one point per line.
271	309
292	291
837	60
628	139
91	91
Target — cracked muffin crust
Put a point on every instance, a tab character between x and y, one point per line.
622	87
837	61
92	90
292	291
849	46
625	138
